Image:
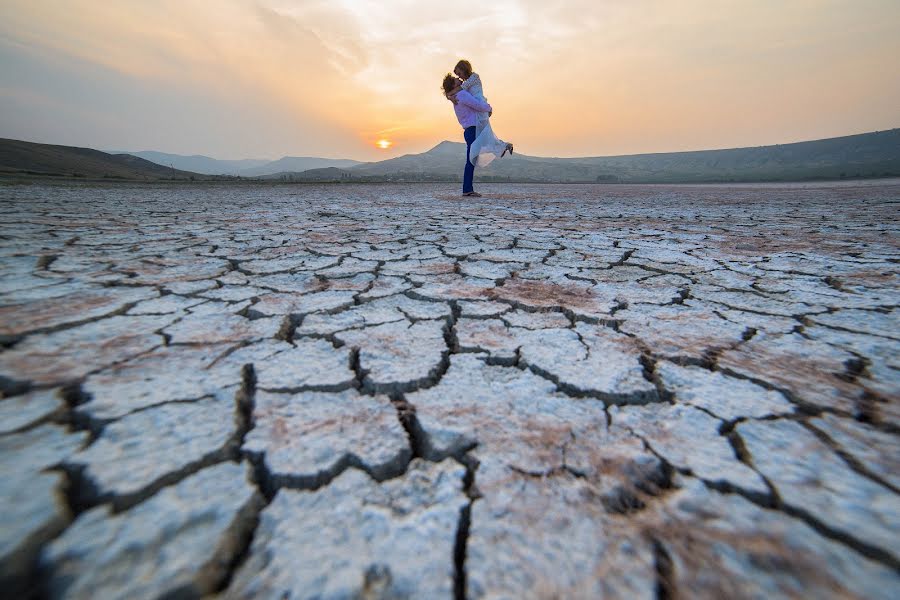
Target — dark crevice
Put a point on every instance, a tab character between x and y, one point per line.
867	411
459	552
471	464
81	421
655	481
460	578
45	260
120	311
495	360
271	482
622	501
640	397
79	492
648	364
704	361
450	338
665	572
867	550
719	485
406	413
620	305
403	387
851	461
22	577
743	455
261	476
683	294
359	374
86	493
776	503
13	387
803	406
8	342
123	502
854	368
557	471
766	500
245	403
74	396
622	260
218	572
327	388
288	327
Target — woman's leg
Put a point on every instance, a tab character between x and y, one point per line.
469	172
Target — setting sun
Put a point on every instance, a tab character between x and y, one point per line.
383	144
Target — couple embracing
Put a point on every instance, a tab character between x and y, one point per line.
473	112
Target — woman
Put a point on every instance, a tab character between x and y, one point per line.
487	146
467	108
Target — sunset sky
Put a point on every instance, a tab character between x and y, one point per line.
266	78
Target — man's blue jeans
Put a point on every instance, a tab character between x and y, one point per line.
469	173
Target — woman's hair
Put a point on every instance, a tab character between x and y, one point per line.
449	83
464	66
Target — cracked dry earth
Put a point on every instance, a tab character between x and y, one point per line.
388	392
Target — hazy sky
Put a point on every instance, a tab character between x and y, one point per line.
265	78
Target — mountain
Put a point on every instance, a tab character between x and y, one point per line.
27	158
444	159
865	155
248	167
196	162
323	174
297	164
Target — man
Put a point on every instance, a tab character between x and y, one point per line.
466	107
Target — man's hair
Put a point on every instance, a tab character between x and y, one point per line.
464	66
449	83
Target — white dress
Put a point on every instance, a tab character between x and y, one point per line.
487	146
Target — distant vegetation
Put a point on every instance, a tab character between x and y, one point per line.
868	155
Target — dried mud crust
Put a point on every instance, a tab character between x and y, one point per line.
386	391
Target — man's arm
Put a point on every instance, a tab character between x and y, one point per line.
464	97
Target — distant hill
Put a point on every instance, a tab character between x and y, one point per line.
864	155
197	163
248	167
297	164
324	174
28	158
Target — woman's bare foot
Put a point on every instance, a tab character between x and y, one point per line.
472	194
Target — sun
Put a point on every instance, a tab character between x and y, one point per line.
384	144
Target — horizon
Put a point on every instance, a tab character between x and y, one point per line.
333	80
433	146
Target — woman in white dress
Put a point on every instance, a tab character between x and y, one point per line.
487	146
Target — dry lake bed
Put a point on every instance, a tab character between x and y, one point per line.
352	391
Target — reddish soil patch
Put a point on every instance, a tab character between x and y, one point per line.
544	294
